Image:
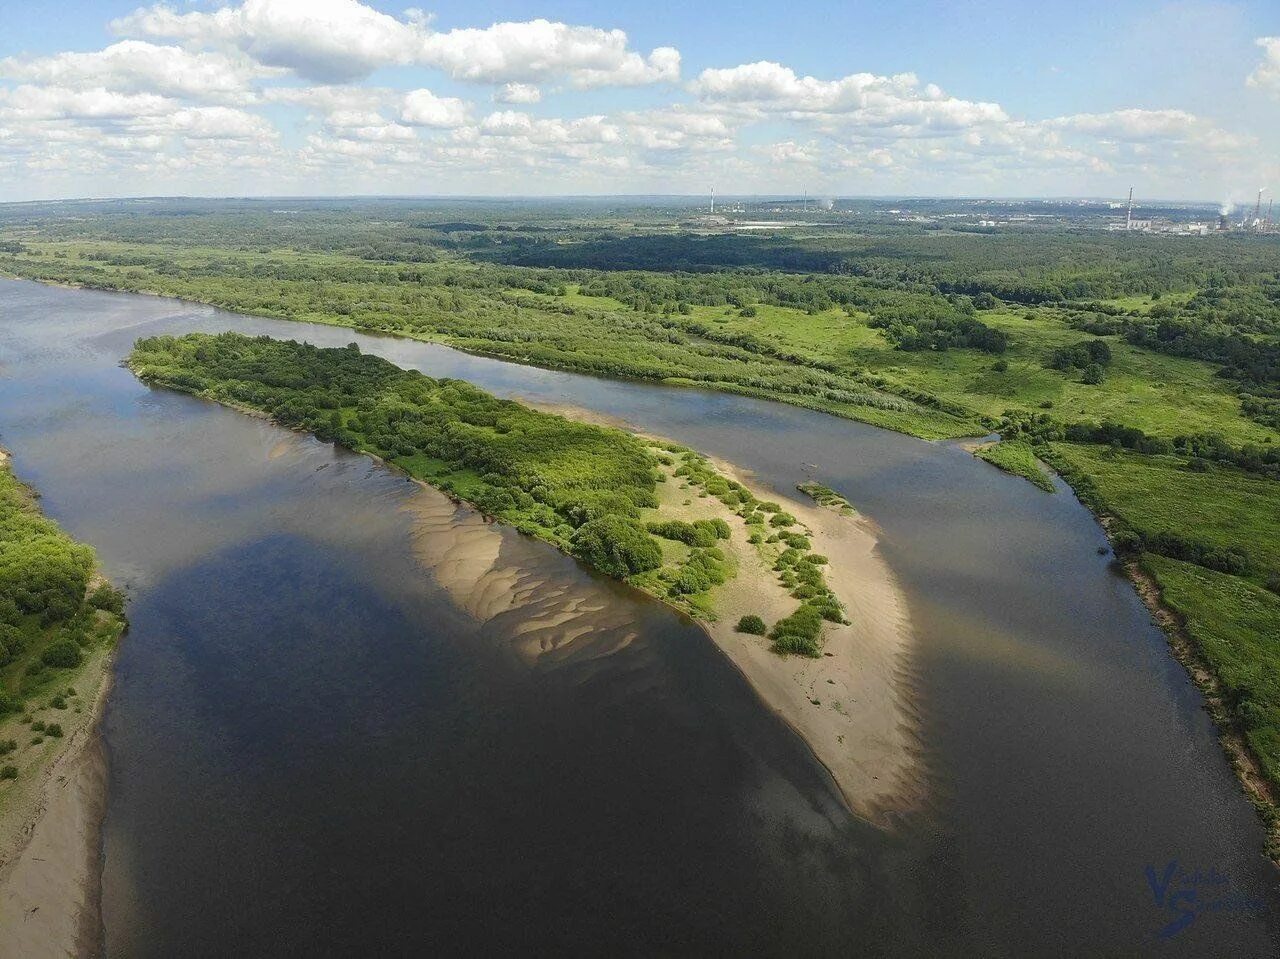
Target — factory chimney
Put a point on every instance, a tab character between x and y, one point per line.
713	201
1128	219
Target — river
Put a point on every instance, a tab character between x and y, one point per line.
315	750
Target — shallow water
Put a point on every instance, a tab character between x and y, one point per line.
315	750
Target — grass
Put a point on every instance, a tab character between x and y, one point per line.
1224	507
1019	459
1236	628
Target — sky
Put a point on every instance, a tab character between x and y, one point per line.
1053	98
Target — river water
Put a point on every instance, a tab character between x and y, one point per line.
315	749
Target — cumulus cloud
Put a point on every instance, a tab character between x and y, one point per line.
540	49
134	66
28	102
513	123
1267	75
423	108
520	93
322	40
861	98
209	123
336	41
275	87
1132	124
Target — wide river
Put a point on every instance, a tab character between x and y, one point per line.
315	750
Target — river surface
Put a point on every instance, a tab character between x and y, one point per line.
315	750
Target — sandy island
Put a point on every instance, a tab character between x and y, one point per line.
851	705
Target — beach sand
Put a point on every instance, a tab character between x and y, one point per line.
50	880
852	705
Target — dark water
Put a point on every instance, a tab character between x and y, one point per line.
315	752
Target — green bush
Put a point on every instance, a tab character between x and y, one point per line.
62	653
9	772
751	624
616	546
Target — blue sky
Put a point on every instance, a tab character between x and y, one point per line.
335	96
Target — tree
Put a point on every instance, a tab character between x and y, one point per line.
616	546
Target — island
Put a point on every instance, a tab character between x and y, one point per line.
792	591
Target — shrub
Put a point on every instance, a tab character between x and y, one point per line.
62	653
54	730
107	597
751	624
9	772
616	546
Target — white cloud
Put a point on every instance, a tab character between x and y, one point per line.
62	103
180	113
540	49
1267	75
860	99
1132	124
518	93
134	66
211	123
325	40
338	41
423	108
512	123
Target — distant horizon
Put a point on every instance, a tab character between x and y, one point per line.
691	197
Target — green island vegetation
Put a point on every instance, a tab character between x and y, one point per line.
826	496
58	624
590	490
1018	458
1144	368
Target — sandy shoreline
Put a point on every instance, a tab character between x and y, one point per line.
50	851
50	881
862	726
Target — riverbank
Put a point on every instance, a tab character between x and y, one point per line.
52	795
50	880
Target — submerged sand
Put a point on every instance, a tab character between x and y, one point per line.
851	705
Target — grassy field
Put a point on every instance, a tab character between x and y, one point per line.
1224	508
1162	395
1235	626
1017	458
